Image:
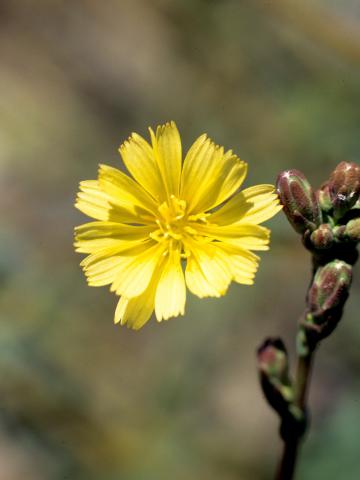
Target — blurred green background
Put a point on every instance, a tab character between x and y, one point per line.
276	81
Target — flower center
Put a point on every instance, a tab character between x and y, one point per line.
174	223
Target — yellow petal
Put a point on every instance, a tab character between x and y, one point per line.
103	272
253	205
226	181
209	176
124	248
171	291
95	203
167	149
138	156
92	201
135	275
125	192
242	262
207	273
103	267
235	171
252	237
93	236
196	170
121	309
135	312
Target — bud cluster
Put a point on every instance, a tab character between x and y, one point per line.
328	219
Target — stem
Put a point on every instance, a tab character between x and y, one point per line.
289	457
303	379
287	463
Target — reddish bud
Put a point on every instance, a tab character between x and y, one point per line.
322	238
330	288
325	302
298	198
272	358
278	388
273	367
344	187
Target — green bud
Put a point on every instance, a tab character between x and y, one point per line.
344	187
339	233
322	238
324	199
352	230
298	198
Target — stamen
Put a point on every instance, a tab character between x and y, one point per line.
174	224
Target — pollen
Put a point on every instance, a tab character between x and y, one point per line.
172	221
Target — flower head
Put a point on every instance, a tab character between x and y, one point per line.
171	214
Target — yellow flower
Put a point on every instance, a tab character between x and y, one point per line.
169	215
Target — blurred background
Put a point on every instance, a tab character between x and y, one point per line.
276	81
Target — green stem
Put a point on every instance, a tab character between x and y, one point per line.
303	376
289	457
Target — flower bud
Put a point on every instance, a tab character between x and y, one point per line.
278	389
322	238
272	358
325	302
352	230
298	198
324	199
339	233
344	187
330	288
273	367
